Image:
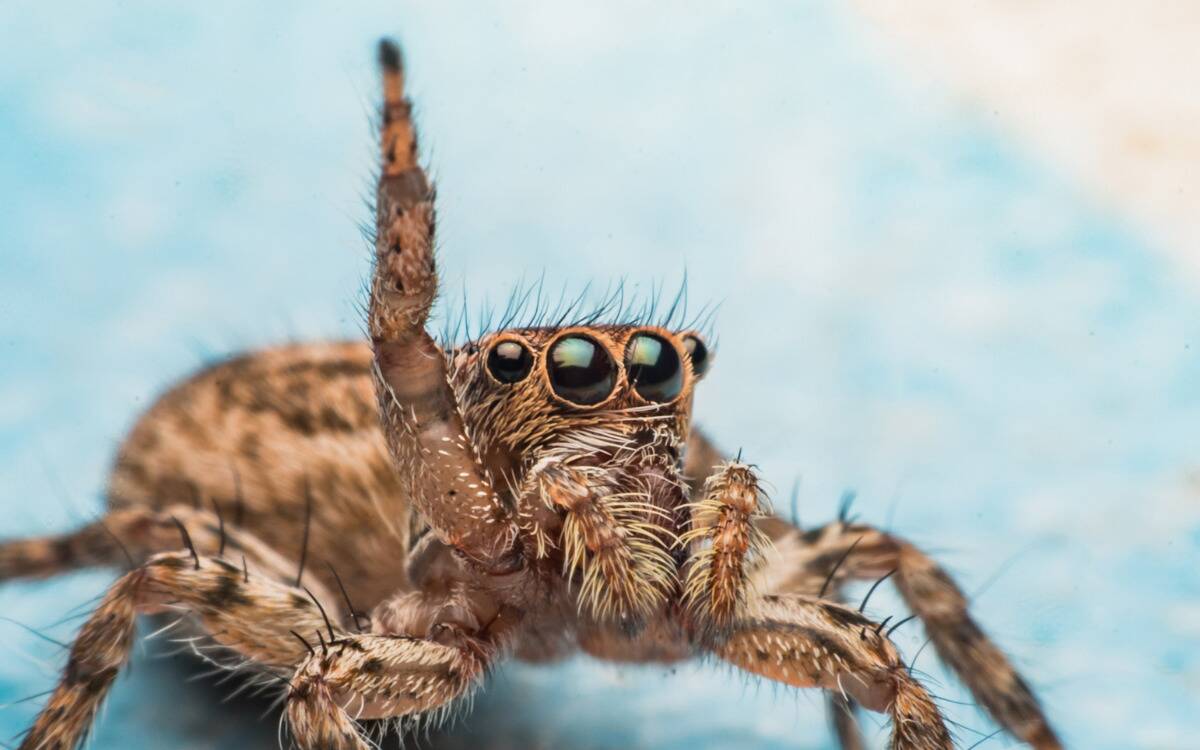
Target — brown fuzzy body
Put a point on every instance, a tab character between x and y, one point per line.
283	440
370	526
267	437
287	438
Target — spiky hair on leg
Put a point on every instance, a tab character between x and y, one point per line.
726	547
612	541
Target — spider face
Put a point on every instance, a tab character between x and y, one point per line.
576	377
593	368
586	413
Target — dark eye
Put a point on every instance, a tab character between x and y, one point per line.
581	370
698	353
653	367
509	362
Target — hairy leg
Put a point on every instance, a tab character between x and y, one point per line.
131	536
725	547
804	561
702	461
800	562
419	414
427	649
610	540
807	642
373	677
94	545
250	615
843	719
842	712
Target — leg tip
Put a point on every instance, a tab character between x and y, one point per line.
390	58
1045	739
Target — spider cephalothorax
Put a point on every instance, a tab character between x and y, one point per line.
581	428
373	526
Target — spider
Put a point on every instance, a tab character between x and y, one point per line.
369	527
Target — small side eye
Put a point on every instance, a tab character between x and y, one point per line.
698	353
653	367
580	370
509	362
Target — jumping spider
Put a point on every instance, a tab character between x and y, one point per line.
535	492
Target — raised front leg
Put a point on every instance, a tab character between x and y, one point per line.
438	467
807	642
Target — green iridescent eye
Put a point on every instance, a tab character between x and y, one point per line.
653	367
580	370
698	353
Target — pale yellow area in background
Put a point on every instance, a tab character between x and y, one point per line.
1107	92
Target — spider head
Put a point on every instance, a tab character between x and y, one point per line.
582	428
524	389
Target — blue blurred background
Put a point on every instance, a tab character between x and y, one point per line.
920	299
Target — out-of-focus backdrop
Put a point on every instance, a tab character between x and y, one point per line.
955	246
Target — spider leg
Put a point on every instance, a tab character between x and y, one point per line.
804	561
419	414
725	546
731	519
253	616
128	537
729	544
611	540
801	562
429	648
43	556
843	719
842	712
376	677
804	641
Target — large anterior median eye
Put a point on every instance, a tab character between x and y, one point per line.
509	362
581	370
698	353
653	367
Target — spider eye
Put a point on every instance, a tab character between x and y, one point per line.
698	353
653	367
580	370
509	362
